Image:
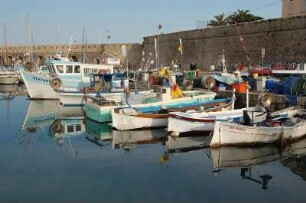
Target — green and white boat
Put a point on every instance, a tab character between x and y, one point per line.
100	111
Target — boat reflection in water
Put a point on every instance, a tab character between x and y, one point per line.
9	88
295	158
98	133
244	159
247	158
185	144
182	144
128	140
49	118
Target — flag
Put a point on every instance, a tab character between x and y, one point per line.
180	48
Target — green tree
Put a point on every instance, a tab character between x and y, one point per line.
241	16
218	20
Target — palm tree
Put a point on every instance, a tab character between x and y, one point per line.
243	16
219	20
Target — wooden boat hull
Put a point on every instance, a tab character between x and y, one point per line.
128	119
232	134
122	120
201	122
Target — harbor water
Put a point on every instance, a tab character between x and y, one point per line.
50	153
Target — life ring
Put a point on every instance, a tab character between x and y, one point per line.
57	127
266	100
55	83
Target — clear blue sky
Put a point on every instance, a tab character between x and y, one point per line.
126	21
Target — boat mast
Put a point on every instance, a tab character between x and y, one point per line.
83	36
5	46
29	37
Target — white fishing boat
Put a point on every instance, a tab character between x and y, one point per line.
130	118
183	122
233	134
8	77
58	72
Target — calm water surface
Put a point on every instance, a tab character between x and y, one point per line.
49	153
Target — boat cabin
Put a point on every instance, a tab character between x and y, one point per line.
74	74
109	82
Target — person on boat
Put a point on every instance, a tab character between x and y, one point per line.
166	74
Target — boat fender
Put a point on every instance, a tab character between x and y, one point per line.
55	83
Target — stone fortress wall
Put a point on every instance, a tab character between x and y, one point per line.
283	39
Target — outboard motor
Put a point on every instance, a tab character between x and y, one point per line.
246	118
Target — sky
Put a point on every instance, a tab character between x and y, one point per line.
125	21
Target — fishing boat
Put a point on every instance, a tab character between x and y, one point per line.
184	122
129	118
8	77
102	112
233	134
111	86
58	73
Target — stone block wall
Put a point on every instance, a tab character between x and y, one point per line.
284	39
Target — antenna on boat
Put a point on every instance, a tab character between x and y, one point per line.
69	47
